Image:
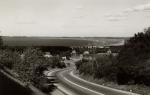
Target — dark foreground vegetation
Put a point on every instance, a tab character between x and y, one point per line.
10	87
134	60
130	66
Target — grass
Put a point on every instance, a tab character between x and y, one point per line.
140	89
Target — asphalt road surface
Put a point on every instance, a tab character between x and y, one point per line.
70	84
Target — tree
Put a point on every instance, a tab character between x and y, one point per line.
32	66
9	58
134	59
101	66
1	41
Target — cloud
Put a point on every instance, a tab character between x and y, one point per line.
148	15
123	14
115	17
144	7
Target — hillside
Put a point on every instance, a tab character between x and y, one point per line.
61	41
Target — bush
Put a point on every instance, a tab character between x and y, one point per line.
101	66
106	67
9	58
32	66
57	63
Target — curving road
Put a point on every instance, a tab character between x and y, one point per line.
73	85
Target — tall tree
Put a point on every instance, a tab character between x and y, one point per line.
134	64
1	41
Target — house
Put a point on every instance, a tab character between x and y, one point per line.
73	53
47	54
86	56
109	52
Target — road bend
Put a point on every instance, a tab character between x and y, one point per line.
73	85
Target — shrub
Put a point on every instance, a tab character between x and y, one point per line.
32	66
101	66
9	58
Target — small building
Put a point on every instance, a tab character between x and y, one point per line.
64	58
81	56
22	56
47	54
86	56
74	53
86	53
109	52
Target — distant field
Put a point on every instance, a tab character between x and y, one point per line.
61	41
107	41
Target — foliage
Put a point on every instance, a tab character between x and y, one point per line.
106	67
131	66
101	66
1	41
134	64
30	64
9	58
31	68
57	63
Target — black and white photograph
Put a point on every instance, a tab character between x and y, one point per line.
74	47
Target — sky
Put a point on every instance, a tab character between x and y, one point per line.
69	18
